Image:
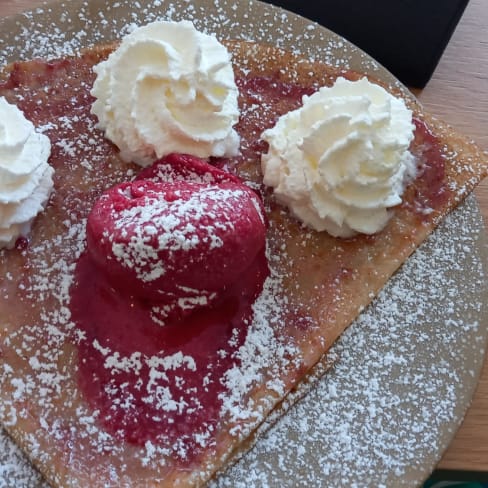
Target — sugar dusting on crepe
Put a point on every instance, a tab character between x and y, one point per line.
357	404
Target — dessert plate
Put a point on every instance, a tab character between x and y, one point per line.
405	371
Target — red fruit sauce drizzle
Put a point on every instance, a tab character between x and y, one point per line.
431	191
168	404
154	380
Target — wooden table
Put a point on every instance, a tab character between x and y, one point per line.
457	93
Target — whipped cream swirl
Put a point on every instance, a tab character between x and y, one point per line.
168	88
25	175
341	160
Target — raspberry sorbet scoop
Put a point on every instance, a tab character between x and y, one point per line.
158	238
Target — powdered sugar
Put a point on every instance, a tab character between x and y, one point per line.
397	389
181	224
260	351
395	394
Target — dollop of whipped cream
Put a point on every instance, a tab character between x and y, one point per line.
342	160
25	175
168	88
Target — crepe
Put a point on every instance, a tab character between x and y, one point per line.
317	286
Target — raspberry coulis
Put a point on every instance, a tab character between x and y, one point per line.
152	377
431	190
124	326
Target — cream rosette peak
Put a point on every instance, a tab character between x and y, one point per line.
168	88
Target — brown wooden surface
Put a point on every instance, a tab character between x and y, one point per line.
457	93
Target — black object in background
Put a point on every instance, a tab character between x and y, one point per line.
408	37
